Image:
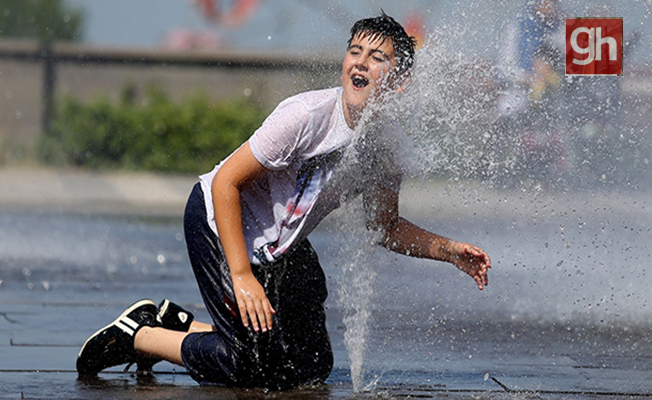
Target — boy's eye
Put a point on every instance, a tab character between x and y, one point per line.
379	59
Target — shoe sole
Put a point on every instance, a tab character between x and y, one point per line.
117	321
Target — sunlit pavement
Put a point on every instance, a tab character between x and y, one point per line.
48	308
38	189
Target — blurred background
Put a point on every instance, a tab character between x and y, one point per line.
142	84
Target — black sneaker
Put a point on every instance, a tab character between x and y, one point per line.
114	344
170	316
174	317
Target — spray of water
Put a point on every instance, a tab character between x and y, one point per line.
356	290
445	96
479	119
355	253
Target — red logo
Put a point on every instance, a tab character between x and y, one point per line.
594	46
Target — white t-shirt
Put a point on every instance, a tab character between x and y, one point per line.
303	129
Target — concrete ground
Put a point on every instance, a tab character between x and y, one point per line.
91	192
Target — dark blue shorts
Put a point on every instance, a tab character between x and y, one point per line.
297	351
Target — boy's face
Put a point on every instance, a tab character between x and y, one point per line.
366	71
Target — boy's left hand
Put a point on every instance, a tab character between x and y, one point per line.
472	260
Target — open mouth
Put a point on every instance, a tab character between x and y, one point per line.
359	81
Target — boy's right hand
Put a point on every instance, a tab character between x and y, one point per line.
252	302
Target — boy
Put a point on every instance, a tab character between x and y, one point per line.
246	225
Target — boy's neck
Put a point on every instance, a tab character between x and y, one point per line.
351	115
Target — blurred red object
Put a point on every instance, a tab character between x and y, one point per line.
186	39
234	15
415	26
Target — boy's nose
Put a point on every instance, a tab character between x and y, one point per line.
362	63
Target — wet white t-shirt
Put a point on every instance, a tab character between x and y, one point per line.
304	136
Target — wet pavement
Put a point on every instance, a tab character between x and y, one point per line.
76	248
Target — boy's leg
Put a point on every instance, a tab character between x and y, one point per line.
197	326
114	344
160	344
216	356
131	337
297	351
120	343
165	344
172	317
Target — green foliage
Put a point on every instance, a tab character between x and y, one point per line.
155	135
43	19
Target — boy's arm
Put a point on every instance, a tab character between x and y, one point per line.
241	169
402	236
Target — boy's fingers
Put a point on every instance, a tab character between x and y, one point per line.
487	260
484	277
268	314
260	316
243	312
253	314
259	313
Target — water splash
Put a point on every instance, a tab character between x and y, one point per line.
447	110
532	161
446	105
356	287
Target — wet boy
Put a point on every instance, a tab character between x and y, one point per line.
246	227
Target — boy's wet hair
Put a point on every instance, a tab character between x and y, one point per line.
386	27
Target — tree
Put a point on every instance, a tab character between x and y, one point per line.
47	20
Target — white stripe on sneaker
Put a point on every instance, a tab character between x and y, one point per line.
164	307
125	328
130	322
